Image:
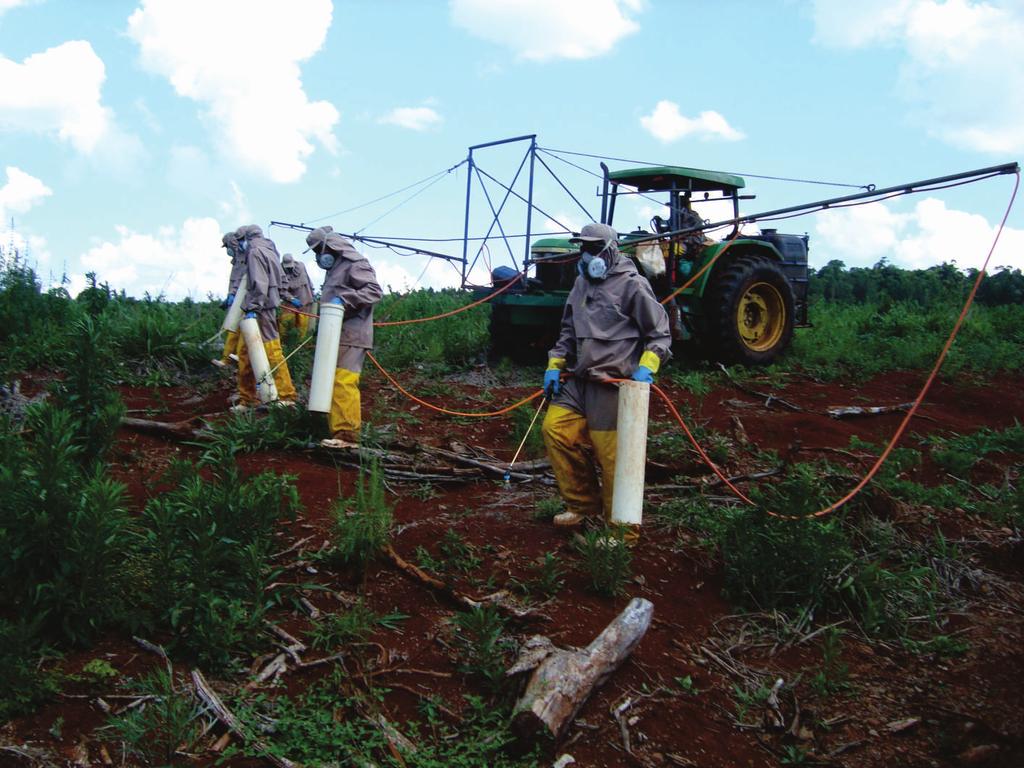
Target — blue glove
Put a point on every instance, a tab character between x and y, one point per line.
552	382
250	315
336	300
644	374
296	303
231	299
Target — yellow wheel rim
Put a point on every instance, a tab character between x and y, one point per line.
761	317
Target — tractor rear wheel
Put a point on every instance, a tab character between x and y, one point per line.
749	307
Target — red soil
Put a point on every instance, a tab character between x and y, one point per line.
962	703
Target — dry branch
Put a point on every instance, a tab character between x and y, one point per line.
501	599
564	679
209	697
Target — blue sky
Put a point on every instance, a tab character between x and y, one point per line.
132	134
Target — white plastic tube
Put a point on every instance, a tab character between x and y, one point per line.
234	313
325	359
631	453
265	386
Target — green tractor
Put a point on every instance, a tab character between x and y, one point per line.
742	310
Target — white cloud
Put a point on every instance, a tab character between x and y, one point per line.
240	60
58	90
236	207
21	192
927	236
413	118
964	65
667	124
540	30
8	5
175	262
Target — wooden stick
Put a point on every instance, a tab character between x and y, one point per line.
208	696
500	599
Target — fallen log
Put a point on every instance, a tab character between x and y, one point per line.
176	429
564	679
842	411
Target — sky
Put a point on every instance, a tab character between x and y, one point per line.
134	134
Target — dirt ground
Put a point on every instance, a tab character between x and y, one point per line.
901	709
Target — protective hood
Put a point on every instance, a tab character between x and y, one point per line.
288	262
248	232
230	240
324	239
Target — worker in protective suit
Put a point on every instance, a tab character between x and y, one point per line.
238	267
296	293
351	282
612	328
262	297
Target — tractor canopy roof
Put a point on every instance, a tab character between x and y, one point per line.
554	244
665	177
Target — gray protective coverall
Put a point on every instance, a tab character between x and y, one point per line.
263	297
354	281
609	327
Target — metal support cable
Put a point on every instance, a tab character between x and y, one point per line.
415	194
737	173
389	194
570	194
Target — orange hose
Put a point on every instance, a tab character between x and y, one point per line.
439	409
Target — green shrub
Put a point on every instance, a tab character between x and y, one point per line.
67	537
207	543
452	341
26	685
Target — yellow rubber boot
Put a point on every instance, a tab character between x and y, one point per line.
246	378
282	376
345	418
230	347
605	443
565	436
285	321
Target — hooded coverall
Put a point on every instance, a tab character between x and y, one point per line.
263	297
354	281
238	270
296	285
609	328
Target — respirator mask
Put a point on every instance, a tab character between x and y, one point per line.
592	264
243	246
325	260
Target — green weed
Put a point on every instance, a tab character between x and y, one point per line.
454	555
482	644
546	509
607	560
833	674
158	728
354	625
362	523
